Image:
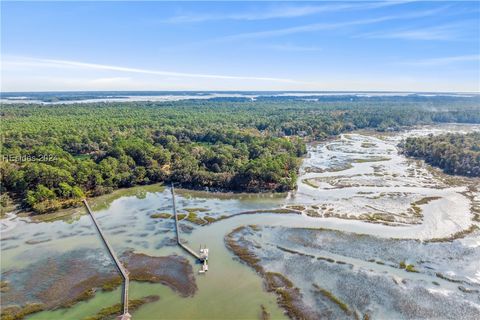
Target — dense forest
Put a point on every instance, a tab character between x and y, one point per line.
53	155
454	153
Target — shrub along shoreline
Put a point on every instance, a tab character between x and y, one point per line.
54	155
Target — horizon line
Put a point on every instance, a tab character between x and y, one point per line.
249	91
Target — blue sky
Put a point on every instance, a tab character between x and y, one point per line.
395	46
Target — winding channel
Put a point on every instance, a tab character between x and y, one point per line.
231	289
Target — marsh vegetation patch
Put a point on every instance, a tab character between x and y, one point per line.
62	280
347	275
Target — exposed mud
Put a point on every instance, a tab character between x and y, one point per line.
376	184
431	272
288	296
345	275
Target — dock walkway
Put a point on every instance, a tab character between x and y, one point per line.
118	264
203	256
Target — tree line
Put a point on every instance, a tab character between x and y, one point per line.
226	145
454	153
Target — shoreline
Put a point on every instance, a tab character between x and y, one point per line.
103	201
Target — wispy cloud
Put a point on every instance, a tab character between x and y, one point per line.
293	48
331	26
10	63
279	12
442	32
301	29
109	81
443	60
271	13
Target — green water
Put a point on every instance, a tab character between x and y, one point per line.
230	290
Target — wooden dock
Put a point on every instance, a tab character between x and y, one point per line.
203	256
118	264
